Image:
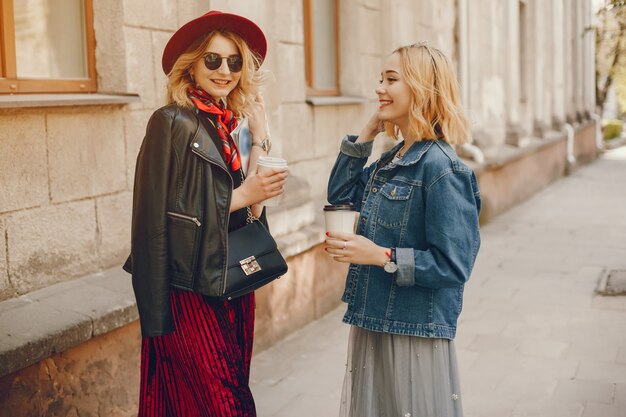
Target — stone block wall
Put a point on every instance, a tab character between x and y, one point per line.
585	146
64	205
513	178
97	378
504	185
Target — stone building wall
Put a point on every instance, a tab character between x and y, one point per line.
64	195
66	171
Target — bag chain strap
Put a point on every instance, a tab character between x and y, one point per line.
250	217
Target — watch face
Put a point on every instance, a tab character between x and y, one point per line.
390	267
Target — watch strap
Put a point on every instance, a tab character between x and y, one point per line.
265	144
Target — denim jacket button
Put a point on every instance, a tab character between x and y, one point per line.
374	189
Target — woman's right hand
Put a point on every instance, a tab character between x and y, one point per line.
372	128
263	185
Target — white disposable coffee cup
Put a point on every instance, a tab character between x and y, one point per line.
268	163
341	218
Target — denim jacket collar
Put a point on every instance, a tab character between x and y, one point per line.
411	156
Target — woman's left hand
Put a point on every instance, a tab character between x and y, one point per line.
354	249
257	121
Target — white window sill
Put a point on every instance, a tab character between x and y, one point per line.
63	100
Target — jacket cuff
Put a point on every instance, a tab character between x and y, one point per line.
405	275
356	150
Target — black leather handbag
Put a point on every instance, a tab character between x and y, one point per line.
253	258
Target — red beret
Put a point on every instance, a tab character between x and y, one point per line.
182	39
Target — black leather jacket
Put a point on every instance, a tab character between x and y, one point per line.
181	202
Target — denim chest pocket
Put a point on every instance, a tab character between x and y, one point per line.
394	204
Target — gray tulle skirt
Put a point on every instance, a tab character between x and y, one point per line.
390	375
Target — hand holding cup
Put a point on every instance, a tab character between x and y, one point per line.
265	185
354	249
269	166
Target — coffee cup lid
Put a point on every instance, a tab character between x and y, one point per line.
339	207
270	160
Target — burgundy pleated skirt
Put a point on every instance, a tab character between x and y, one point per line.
202	368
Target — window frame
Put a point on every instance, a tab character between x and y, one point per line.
309	47
11	84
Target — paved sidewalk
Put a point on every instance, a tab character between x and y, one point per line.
534	338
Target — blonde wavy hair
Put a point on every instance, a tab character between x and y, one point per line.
179	79
435	108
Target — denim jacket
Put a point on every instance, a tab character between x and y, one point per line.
425	205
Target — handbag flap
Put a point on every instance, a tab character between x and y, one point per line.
253	239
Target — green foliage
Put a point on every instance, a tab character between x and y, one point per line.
610	34
612	128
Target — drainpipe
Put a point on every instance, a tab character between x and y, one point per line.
472	150
569	131
599	140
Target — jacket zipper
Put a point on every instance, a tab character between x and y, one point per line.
184	217
225	244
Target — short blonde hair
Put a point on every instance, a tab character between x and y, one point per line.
435	109
179	79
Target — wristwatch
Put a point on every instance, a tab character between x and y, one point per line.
390	266
265	144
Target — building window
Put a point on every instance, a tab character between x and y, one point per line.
321	43
47	46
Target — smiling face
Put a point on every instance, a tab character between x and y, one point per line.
394	94
220	82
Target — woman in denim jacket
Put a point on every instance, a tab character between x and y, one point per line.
415	243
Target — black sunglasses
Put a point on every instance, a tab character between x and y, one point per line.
213	61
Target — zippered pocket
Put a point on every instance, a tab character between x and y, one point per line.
185	217
183	235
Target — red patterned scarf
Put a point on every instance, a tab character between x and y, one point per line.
226	123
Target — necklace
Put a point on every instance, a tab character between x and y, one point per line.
404	148
396	157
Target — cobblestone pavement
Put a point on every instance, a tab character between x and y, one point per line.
534	338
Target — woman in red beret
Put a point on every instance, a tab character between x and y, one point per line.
189	193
